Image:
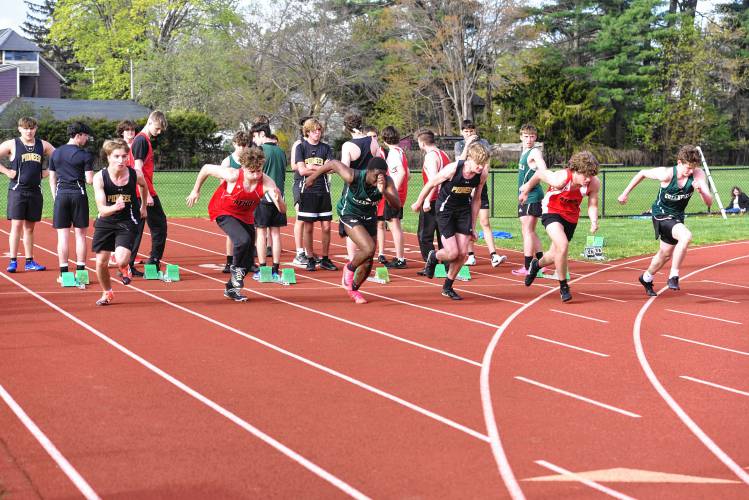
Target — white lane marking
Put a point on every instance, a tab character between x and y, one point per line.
80	483
568	345
584	480
670	401
707	345
635	269
704	316
626	475
285	450
577	396
579	316
725	284
624	283
713	384
714	298
601	297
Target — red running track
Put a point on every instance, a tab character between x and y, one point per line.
175	391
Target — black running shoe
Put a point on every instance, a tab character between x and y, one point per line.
564	291
227	269
673	283
382	260
237	276
648	287
532	272
397	264
430	265
233	294
328	265
135	272
311	262
450	293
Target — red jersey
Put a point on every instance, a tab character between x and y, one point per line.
565	201
240	204
401	163
442	160
147	163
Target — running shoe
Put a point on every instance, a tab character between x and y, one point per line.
532	272
310	264
134	272
233	294
498	259
382	260
648	287
450	293
430	265
12	266
347	279
33	266
237	277
471	261
327	264
300	260
256	276
564	291
673	283
126	275
521	271
106	298
397	264
357	297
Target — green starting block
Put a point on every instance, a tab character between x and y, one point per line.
68	279
464	274
266	274
382	276
81	276
440	271
288	276
172	272
150	272
554	276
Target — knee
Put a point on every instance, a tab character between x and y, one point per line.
686	238
242	240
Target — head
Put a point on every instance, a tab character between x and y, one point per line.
477	158
312	130
241	141
584	166
302	120
115	151
689	158
252	160
156	123
260	132
79	133
736	191
370	130
528	135
375	168
467	129
261	119
352	122
27	128
127	130
425	138
390	136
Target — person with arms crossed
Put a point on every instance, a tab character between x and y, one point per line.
434	160
677	184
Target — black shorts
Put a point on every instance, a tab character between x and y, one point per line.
370	224
314	207
25	205
456	221
533	209
569	227
664	229
267	215
391	213
485	197
111	234
296	191
70	209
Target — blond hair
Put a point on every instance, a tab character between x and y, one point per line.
112	145
158	118
478	153
310	125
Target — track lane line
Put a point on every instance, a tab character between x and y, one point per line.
707	345
713	384
714	298
704	316
568	345
584	480
590	318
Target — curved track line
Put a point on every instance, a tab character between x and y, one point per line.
267	439
683	416
80	483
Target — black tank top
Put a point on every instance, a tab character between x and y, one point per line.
455	194
113	191
27	162
365	146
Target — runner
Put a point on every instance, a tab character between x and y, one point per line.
241	142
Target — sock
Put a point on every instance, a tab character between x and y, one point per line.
647	277
274	270
674	272
229	259
539	255
448	284
63	269
492	254
14	259
562	284
470	253
29	259
350	267
79	266
528	260
300	251
325	257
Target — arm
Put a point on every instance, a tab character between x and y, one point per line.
701	186
6	151
396	170
101	198
554	179
336	166
659	173
387	187
476	202
430	167
440	177
593	189
143	190
226	174
346	153
270	187
53	183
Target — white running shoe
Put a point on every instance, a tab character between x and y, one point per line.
471	260
300	260
498	259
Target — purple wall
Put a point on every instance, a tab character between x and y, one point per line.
7	85
27	86
49	84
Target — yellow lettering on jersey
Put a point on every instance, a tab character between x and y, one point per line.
314	161
31	157
113	198
462	190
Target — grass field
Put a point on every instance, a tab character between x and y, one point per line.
625	236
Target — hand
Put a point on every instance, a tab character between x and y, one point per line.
143	211
192	198
119	204
522	197
593	226
427	206
11	173
474	236
416	207
471	139
381	183
622	199
149	200
309	181
275	195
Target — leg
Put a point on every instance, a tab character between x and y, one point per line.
325	237
102	270
275	238
62	246
683	236
157	225
531	241
363	256
397	231
454	251
487	229
229	247
136	243
661	257
298	231
28	238
16	228
309	228
260	245
425	234
381	237
80	245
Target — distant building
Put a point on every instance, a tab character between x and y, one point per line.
23	71
65	109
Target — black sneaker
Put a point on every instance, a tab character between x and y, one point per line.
450	293
673	283
382	260
311	262
648	287
135	272
532	272
396	264
227	269
430	265
328	265
564	291
237	276
253	268
421	272
233	294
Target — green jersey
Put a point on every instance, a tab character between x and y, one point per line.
274	166
233	163
525	172
360	199
672	200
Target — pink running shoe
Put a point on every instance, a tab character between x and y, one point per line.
520	272
347	279
357	296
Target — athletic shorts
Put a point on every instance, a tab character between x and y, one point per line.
314	207
111	234
24	205
296	191
70	209
569	227
664	229
381	208
370	224
533	209
391	213
456	221
267	215
485	197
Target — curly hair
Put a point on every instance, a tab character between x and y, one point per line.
584	162
252	159
688	154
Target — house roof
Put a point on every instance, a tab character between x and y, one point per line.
52	69
64	109
10	40
6	67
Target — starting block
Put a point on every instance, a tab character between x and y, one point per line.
172	272
554	276
151	272
81	276
266	275
382	276
464	274
68	279
440	271
288	276
594	248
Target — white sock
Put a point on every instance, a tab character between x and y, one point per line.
299	251
647	277
674	272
